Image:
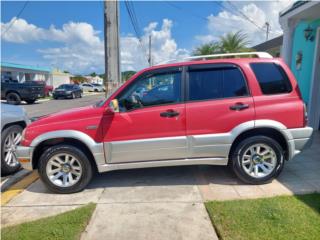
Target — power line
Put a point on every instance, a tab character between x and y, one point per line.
18	15
182	9
135	24
245	17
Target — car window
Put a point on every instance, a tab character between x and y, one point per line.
271	77
152	90
215	83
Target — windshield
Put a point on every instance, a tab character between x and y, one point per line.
97	84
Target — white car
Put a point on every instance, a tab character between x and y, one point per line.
91	87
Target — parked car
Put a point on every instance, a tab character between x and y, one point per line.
15	92
67	91
88	87
48	89
247	113
13	120
99	87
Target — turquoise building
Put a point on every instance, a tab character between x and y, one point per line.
301	51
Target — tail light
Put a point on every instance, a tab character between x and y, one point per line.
305	115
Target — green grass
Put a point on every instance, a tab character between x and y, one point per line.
68	225
286	217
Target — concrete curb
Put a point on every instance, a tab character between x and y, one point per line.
10	180
18	187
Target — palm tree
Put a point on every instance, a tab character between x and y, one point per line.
234	42
206	49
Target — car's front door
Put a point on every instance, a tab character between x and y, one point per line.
218	100
151	123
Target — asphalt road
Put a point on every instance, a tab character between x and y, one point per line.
43	108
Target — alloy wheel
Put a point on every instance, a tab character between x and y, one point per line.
64	170
259	160
10	145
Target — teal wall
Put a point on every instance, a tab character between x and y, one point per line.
304	74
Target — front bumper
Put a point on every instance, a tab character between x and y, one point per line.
24	155
299	139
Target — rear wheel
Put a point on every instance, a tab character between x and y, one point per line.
65	169
13	98
10	139
257	160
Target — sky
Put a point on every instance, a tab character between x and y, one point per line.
69	35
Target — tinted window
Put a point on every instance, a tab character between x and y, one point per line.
156	89
271	77
216	83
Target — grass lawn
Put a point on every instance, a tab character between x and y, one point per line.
68	225
285	217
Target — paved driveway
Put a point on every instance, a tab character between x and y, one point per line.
161	203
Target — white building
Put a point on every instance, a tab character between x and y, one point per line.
22	73
95	79
58	78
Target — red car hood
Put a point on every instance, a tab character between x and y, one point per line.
67	115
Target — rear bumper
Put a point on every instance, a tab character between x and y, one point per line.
24	155
299	139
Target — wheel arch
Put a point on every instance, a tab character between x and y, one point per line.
265	130
93	150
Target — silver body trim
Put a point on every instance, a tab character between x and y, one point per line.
163	163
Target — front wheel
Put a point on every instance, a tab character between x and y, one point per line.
257	160
13	98
65	169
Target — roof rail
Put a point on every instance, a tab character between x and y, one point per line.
222	55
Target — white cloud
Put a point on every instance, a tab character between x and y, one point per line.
230	20
82	50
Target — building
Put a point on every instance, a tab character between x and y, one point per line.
58	78
22	73
272	46
301	51
95	79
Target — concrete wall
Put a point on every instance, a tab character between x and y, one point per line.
307	48
58	79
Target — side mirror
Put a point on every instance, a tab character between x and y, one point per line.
114	105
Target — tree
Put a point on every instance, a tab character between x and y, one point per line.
234	42
207	49
230	43
93	74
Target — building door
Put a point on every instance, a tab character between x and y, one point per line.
314	102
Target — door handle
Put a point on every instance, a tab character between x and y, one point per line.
239	106
169	113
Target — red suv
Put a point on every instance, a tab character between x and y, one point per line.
245	112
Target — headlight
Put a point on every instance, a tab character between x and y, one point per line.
68	92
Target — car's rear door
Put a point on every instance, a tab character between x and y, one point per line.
150	125
218	100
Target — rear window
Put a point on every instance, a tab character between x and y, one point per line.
272	78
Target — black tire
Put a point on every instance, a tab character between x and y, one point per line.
30	101
68	149
241	148
96	90
5	167
81	94
13	98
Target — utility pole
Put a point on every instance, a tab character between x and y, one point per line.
150	56
111	44
268	29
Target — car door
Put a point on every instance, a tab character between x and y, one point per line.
149	126
218	100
